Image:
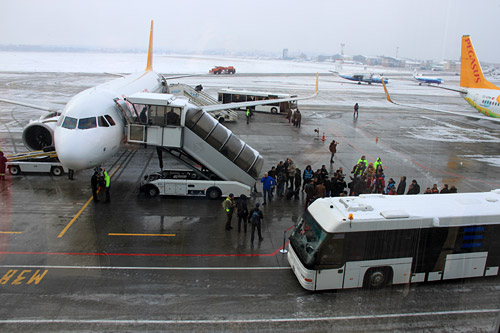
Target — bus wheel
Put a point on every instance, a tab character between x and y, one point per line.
274	110
151	191
57	171
376	278
14	170
213	193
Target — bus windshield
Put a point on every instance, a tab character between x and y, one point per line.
307	238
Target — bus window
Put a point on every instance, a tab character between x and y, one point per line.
239	98
307	238
332	251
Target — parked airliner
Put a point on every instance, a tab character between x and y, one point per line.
480	93
90	128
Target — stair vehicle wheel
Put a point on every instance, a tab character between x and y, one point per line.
57	171
14	170
274	110
214	193
151	191
376	278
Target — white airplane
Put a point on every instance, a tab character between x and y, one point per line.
480	93
426	79
90	128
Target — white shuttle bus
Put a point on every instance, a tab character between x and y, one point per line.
377	240
236	96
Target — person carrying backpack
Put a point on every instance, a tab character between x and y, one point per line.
242	209
256	217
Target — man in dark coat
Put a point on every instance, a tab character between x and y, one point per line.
401	186
414	188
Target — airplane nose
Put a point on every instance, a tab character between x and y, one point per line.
76	151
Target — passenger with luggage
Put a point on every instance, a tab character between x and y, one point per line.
256	217
242	212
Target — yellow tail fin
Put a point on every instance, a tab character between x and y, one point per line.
149	66
471	75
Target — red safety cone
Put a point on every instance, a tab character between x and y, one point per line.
323	138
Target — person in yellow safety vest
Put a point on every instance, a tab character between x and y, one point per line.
363	159
107	180
377	164
228	206
248	115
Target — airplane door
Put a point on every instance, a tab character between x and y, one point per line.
476	97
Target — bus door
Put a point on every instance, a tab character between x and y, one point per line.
331	254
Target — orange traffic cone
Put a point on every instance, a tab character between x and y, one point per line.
323	138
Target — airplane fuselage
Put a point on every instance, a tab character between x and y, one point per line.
428	80
91	127
486	101
367	78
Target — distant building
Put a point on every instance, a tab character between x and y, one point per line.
285	54
451	66
393	62
359	58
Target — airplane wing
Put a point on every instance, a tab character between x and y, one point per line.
34	105
477	116
217	107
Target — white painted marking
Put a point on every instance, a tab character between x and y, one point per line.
243	321
146	268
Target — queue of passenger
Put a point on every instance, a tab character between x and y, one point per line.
365	178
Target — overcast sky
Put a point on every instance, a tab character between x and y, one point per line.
422	29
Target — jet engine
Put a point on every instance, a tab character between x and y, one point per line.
39	134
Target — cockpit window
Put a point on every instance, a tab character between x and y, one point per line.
110	120
86	123
69	123
102	122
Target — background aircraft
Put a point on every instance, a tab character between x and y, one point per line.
90	128
480	93
362	77
426	79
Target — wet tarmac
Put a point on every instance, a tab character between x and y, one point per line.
166	263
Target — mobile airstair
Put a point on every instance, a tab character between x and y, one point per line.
194	138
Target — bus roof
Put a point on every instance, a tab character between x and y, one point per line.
254	93
389	212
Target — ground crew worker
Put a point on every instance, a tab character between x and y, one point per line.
379	169
228	206
248	115
107	180
94	183
363	159
356	108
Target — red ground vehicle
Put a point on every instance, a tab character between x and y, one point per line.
222	70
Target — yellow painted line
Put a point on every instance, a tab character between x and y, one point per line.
153	235
11	232
81	210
